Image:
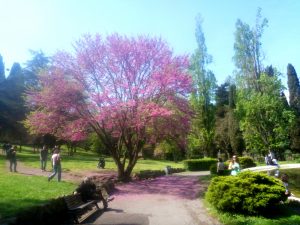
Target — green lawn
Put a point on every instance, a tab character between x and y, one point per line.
18	192
83	160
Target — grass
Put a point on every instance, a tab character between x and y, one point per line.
18	192
286	215
83	160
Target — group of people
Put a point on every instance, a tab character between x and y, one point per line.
234	168
55	162
11	154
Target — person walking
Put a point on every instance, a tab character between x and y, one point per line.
43	157
12	157
55	161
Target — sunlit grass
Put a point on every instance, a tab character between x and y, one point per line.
83	160
284	215
18	191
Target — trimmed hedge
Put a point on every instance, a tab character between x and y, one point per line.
248	193
146	174
246	162
199	164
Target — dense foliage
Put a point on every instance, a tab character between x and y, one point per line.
246	193
129	91
246	162
200	139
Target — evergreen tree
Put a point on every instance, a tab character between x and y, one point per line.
294	99
294	88
2	70
34	66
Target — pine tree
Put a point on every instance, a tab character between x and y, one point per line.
2	70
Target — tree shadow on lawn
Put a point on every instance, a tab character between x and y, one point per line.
14	206
284	210
185	187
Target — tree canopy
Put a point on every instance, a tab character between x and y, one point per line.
127	90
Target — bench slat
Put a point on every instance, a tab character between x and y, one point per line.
80	209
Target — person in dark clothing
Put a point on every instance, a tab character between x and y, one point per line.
43	157
101	163
12	157
88	191
6	148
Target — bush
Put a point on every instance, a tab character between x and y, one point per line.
246	193
246	162
199	164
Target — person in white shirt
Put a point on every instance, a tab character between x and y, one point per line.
55	161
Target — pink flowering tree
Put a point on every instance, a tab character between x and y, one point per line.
129	91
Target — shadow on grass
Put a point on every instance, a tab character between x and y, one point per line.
287	209
14	206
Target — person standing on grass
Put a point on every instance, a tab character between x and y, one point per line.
43	157
55	161
12	157
220	167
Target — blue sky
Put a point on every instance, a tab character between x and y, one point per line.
50	25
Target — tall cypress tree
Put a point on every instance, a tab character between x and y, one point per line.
294	88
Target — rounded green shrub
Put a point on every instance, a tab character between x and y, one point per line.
246	193
246	162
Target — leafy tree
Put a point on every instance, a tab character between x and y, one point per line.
120	88
247	51
264	118
228	136
204	82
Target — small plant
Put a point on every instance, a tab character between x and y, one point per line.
246	193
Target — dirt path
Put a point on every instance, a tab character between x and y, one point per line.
167	200
75	177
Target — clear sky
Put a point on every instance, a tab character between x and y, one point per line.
50	25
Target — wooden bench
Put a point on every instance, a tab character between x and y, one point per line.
78	209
